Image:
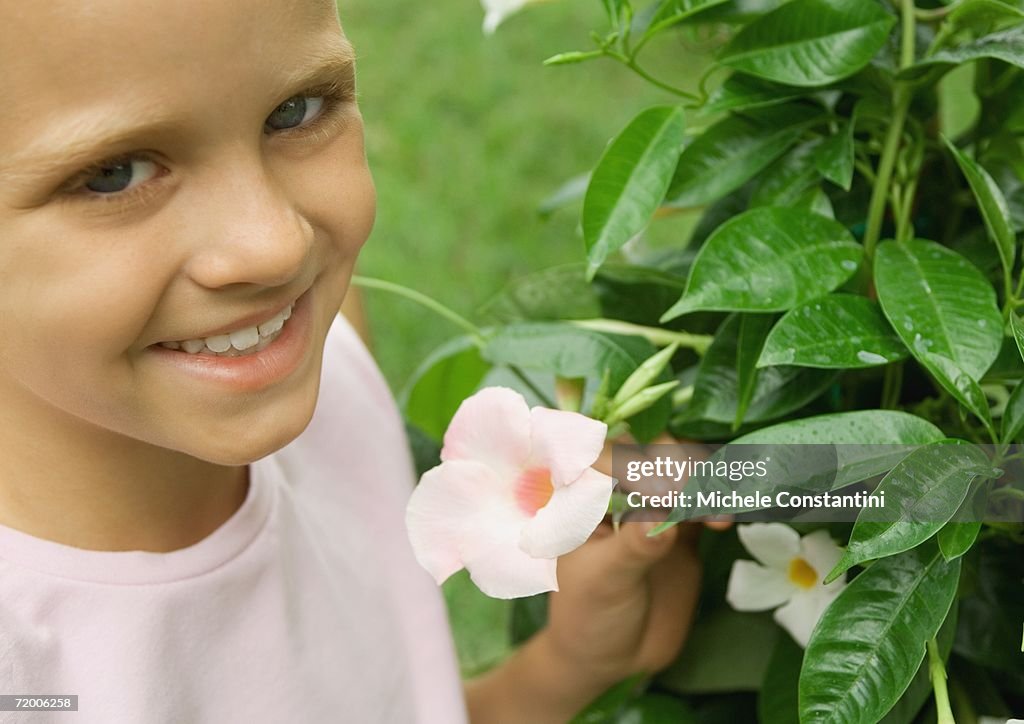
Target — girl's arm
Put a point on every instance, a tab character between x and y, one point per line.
624	606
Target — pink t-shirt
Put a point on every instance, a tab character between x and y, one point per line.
305	606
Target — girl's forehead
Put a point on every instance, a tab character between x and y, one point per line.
71	64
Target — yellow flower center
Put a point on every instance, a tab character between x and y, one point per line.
802	574
534	490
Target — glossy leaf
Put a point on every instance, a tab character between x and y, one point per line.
1013	416
730	153
938	302
569	351
776	390
559	292
959	384
437	388
630	180
956	538
741	92
868	442
922	492
835	157
672	12
1006	45
870	642
810	42
749	342
992	205
768	259
1017	327
787	179
982	14
836	331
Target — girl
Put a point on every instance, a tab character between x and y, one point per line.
183	193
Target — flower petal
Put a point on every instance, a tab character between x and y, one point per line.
492	426
823	554
566	443
569	518
753	587
773	544
501	569
498	10
443	506
801	614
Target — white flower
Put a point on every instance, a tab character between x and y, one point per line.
789	576
498	10
514	492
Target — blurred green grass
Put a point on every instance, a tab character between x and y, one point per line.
466	135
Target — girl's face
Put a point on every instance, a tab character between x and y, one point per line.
175	174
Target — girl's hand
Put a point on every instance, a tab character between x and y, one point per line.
625	601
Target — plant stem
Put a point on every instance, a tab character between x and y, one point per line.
421	299
938	674
635	67
699	343
902	95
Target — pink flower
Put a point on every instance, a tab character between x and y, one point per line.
514	491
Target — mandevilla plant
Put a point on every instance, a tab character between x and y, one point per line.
854	277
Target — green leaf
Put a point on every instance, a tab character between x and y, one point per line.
991	608
922	492
749	343
559	292
726	651
777	390
1007	46
672	12
868	442
569	192
787	179
992	205
982	14
959	384
838	331
938	302
956	538
778	701
810	42
657	709
835	157
768	259
870	642
1013	416
741	92
480	624
730	153
630	180
447	377
1017	327
569	351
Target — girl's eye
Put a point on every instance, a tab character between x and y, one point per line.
122	175
294	112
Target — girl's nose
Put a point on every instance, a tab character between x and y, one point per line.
248	232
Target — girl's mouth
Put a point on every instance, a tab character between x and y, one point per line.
238	343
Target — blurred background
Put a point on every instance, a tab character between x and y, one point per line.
467	135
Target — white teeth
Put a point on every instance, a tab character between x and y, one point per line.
245	338
220	343
249	340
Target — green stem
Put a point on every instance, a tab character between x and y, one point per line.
902	95
699	343
421	299
938	674
635	67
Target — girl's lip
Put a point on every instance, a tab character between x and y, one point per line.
254	371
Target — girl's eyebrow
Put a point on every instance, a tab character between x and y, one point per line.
88	140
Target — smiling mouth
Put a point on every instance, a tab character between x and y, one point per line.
239	343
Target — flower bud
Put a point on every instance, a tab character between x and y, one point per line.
639	402
644	375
